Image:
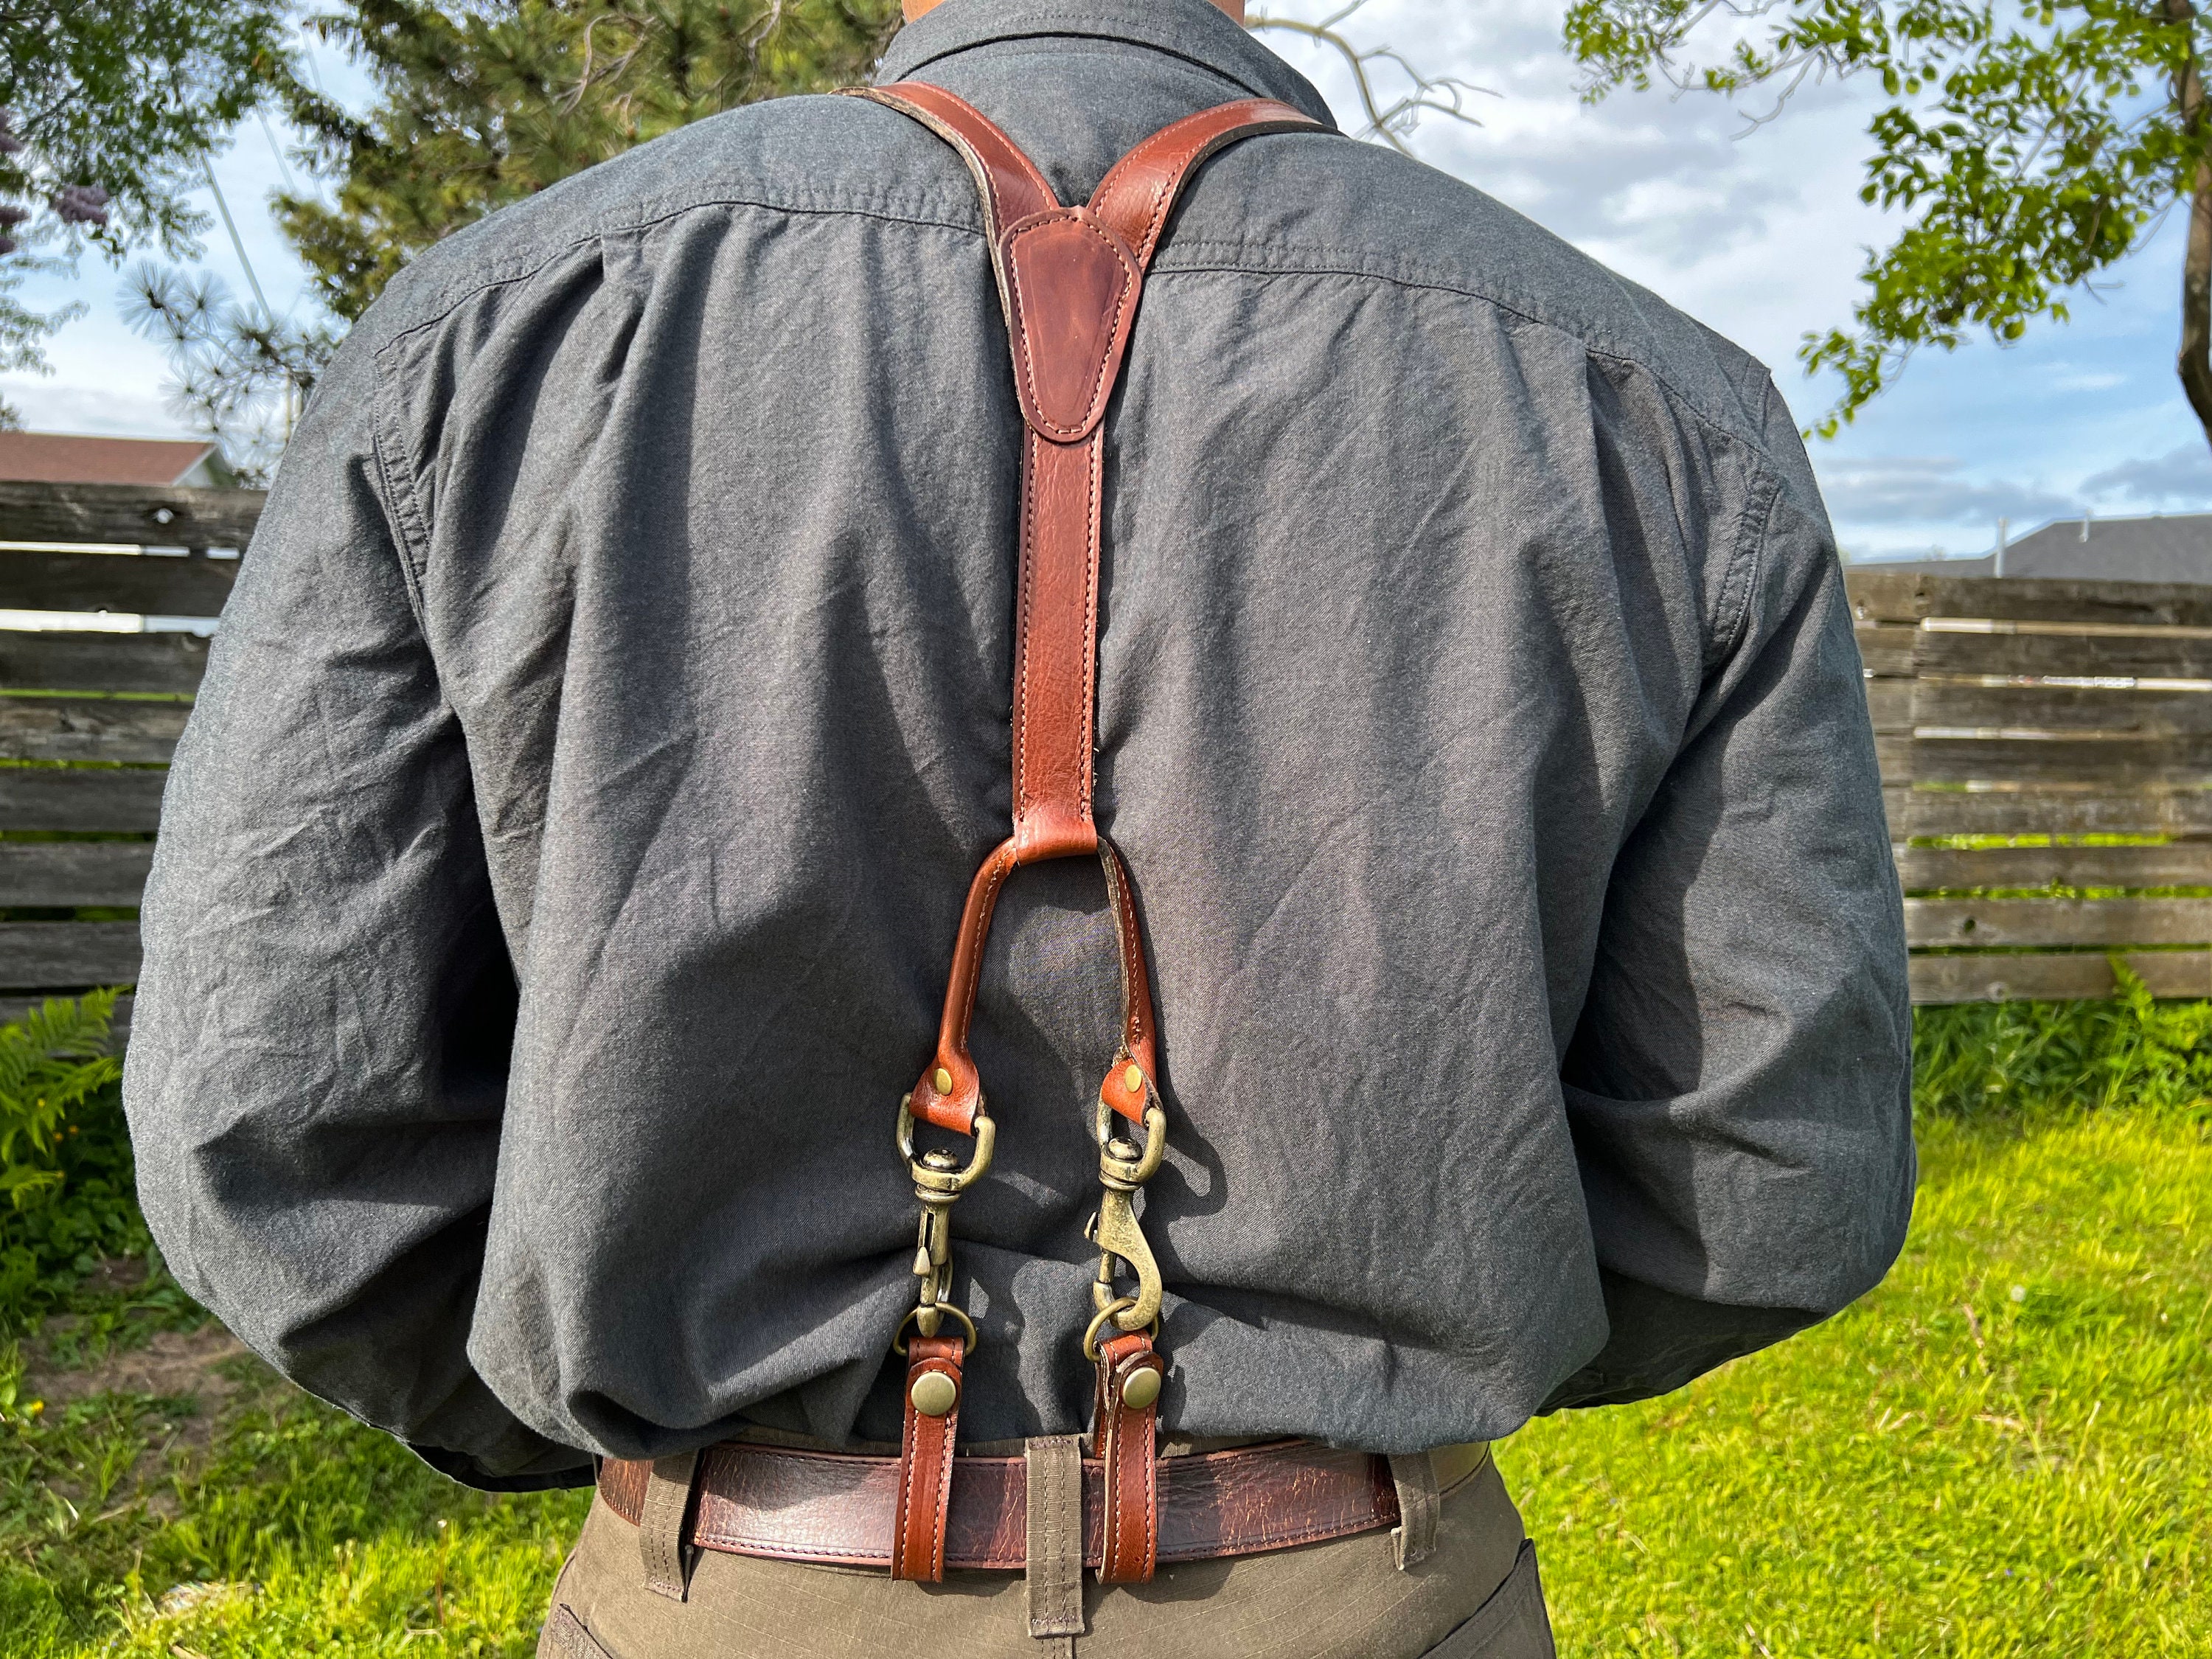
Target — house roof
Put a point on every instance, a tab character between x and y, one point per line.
2171	548
67	457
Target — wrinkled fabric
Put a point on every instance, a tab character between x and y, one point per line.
559	874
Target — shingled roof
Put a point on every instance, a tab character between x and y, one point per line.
69	458
2175	548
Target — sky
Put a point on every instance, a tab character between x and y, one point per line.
1757	231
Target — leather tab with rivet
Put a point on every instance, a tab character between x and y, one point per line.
1130	1373
925	1494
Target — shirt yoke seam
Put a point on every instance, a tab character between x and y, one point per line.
1767	471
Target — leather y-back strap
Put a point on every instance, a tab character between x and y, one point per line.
1069	279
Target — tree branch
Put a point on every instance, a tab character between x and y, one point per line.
1430	94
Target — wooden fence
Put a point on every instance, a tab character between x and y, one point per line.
2075	713
88	720
2080	712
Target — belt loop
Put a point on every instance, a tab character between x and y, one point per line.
1415	1475
1056	1535
660	1525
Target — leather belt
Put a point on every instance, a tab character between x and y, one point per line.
837	1508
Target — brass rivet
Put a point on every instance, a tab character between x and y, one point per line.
1133	1080
1141	1388
935	1394
941	1080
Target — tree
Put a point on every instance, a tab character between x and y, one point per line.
106	112
1391	123
482	104
2028	157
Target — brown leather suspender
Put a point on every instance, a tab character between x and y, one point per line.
1070	279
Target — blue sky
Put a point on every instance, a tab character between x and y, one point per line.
1758	235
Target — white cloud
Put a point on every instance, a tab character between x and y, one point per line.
2182	475
1932	490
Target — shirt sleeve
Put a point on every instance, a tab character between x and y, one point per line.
319	1047
1739	1086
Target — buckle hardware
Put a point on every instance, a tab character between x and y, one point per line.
1123	1170
939	1178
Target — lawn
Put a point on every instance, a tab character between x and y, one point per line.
2006	1450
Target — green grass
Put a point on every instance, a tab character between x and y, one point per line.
2006	1450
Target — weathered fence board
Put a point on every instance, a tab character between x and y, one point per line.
36	955
2173	863
2070	977
2075	712
1888	651
125	729
2057	921
1887	597
1889	704
2115	763
34	874
149	585
166	517
2065	656
2049	812
101	662
56	798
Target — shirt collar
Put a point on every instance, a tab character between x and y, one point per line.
1196	30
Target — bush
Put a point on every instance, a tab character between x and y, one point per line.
1975	1057
67	1194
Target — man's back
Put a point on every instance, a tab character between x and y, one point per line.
1477	711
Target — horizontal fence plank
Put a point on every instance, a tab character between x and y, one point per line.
164	516
2067	656
151	584
2176	863
13	1008
59	797
1882	596
102	662
36	955
73	872
2112	762
2049	812
2074	977
2074	711
89	728
1889	704
2057	921
1887	652
1894	756
1878	596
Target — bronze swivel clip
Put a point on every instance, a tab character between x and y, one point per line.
1123	1170
939	1180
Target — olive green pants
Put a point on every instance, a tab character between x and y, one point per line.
1476	1596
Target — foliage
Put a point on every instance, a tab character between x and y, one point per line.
240	373
482	104
2027	156
106	114
66	1167
2131	1050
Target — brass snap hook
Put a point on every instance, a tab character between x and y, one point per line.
1123	1169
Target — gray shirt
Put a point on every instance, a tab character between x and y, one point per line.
559	874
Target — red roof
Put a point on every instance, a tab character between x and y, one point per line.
64	457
